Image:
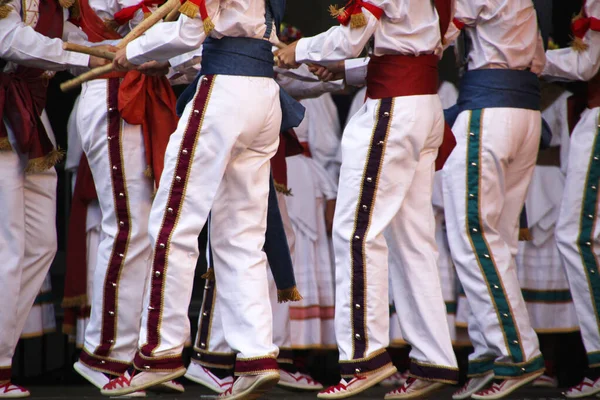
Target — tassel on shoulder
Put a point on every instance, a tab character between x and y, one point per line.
579	45
287	295
5	9
4	142
209	275
525	235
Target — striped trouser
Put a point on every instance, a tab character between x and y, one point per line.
485	185
577	233
384	208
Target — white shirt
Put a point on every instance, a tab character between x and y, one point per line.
503	34
409	27
235	18
21	44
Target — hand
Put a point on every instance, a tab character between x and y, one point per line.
286	57
329	213
120	63
154	68
99	61
326	74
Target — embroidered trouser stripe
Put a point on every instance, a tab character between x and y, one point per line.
479	243
364	207
117	257
171	214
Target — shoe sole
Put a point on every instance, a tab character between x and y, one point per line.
289	385
386	375
167	388
415	394
522	383
203	383
470	393
131	389
81	370
593	393
20	395
262	385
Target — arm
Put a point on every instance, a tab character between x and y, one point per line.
356	71
21	44
570	64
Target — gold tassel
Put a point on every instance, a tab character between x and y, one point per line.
208	25
579	45
358	20
286	295
335	11
525	235
148	173
189	9
66	3
76	301
209	275
4	142
41	164
5	9
283	189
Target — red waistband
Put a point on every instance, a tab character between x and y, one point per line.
306	149
401	75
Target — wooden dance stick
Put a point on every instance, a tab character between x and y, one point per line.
93	51
131	36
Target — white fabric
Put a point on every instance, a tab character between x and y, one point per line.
357	102
20	43
92	126
238	18
581	162
392	35
41	318
448	94
507	158
492	45
408	223
355	71
300	83
229	174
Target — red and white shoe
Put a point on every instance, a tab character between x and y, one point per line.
545	381
12	391
298	381
168	387
99	379
356	385
201	375
473	386
397	379
127	384
250	387
506	387
586	388
412	388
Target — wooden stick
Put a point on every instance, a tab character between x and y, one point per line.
173	15
93	51
131	36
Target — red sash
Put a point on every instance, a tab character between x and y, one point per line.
288	146
23	98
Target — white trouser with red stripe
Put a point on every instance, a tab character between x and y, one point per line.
577	230
485	185
217	161
384	204
210	347
115	152
27	243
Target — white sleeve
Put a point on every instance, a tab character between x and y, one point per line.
167	40
21	44
569	64
338	43
356	71
300	89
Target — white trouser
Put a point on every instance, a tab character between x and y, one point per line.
385	188
27	244
577	233
485	184
115	152
216	161
211	348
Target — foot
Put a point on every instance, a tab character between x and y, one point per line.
546	382
357	384
97	378
11	391
397	379
298	380
133	381
169	387
473	386
250	387
201	375
505	387
586	388
413	388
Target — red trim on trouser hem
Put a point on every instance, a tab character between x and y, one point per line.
113	367
170	218
5	373
249	367
119	250
157	364
214	360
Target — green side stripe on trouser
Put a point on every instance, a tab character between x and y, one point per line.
43	298
585	240
480	367
547	296
593	359
451	307
512	370
480	248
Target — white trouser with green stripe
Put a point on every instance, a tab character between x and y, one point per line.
577	233
485	185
